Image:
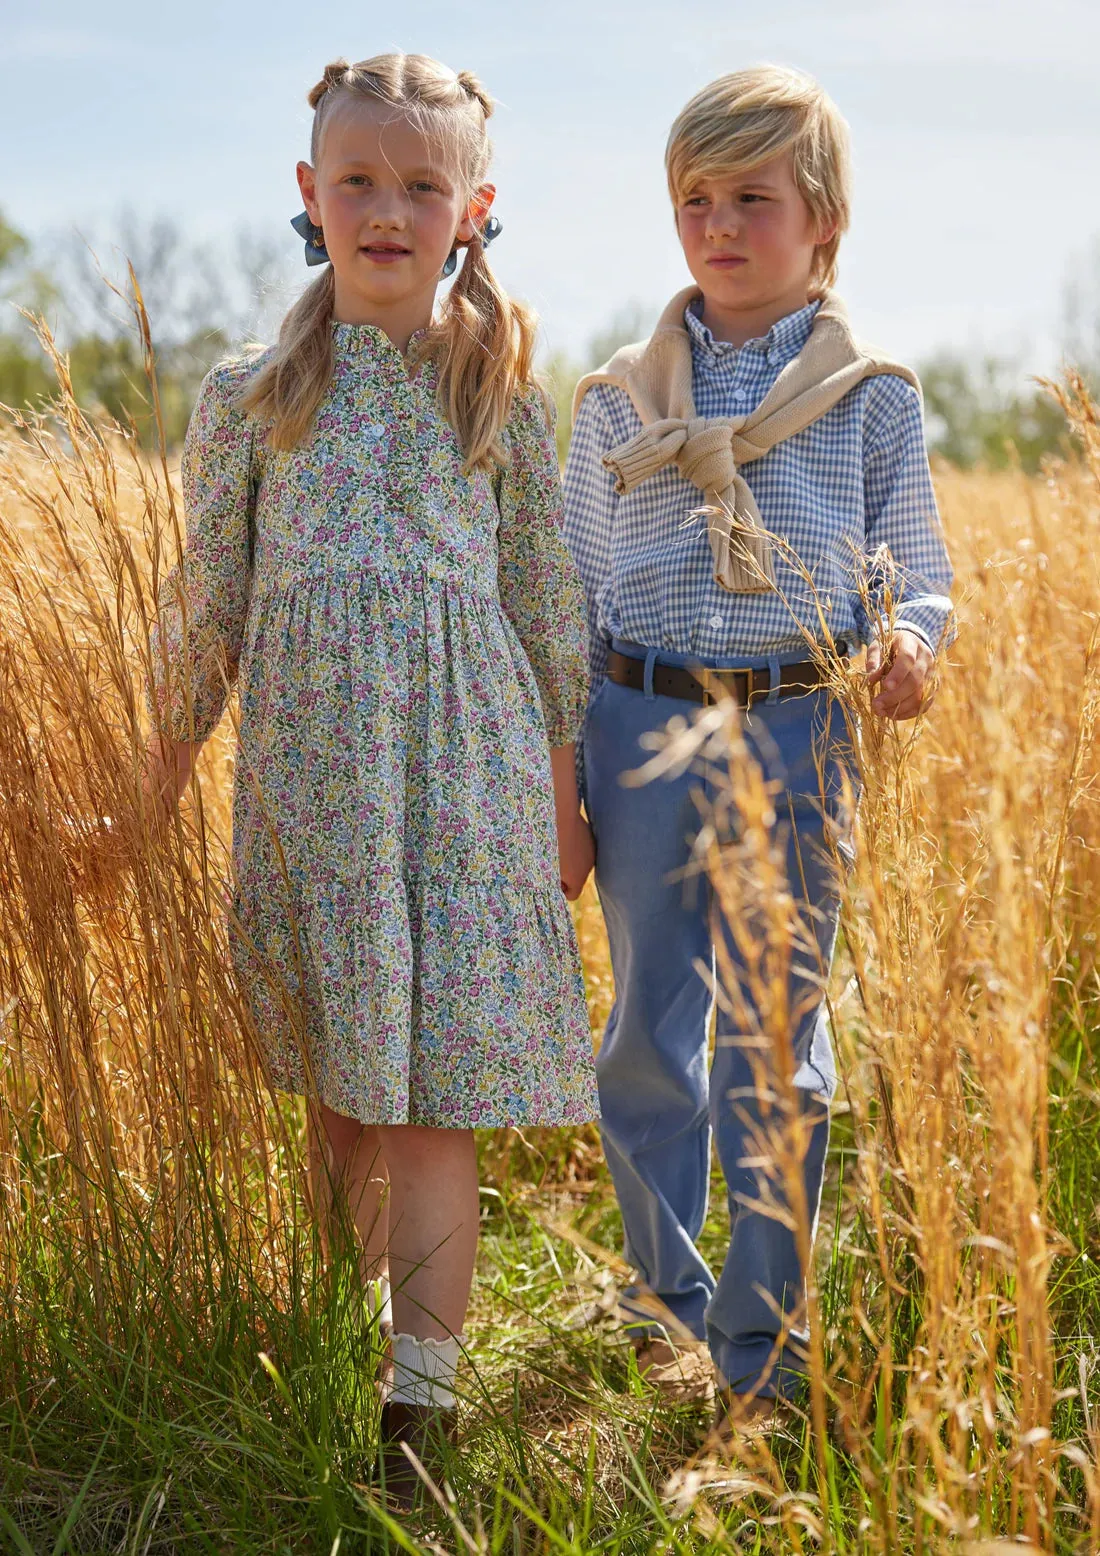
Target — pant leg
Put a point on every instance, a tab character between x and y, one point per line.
762	1277
652	1064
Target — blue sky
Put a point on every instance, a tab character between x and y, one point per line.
976	126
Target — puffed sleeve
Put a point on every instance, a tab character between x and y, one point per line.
539	586
202	602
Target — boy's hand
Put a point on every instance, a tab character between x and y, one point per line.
576	853
901	677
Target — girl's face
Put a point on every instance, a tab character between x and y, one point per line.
391	207
749	238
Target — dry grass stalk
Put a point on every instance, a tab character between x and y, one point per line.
971	898
134	1116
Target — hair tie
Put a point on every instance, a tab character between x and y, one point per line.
475	91
489	232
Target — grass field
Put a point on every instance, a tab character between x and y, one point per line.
180	1370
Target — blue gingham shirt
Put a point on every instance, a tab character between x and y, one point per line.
852	482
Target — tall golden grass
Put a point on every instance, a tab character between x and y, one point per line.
953	1394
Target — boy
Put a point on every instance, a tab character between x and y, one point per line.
751	398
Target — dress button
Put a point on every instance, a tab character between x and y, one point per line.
716	622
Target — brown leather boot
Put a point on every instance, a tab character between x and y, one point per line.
429	1432
741	1417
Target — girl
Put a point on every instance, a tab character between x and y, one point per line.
373	548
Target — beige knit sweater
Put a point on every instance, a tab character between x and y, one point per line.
709	451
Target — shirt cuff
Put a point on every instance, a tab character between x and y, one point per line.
932	618
917	631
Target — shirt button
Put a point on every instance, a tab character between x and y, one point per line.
716	622
738	394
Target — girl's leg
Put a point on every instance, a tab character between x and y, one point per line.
433	1240
348	1159
433	1226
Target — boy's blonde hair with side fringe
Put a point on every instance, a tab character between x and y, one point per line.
483	342
750	116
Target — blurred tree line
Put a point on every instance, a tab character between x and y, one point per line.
204	299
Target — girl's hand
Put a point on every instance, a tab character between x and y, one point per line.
576	845
168	768
576	854
901	677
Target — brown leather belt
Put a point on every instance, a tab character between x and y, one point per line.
709	686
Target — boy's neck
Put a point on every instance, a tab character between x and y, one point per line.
737	325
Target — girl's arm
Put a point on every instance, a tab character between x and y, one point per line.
576	847
542	595
202	603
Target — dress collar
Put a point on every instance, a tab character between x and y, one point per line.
780	345
368	340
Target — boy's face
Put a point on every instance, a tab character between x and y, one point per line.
749	238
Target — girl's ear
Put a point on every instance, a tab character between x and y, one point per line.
307	183
477	212
825	233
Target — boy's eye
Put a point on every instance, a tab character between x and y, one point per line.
696	200
356	178
422	186
745	198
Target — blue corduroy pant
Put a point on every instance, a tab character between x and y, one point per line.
662	1104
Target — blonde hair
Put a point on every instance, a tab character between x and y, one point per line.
483	340
752	115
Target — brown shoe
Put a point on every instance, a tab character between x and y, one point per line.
681	1369
429	1432
742	1417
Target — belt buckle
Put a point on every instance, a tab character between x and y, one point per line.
709	679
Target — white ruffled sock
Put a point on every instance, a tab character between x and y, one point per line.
424	1371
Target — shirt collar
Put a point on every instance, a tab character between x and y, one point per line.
780	345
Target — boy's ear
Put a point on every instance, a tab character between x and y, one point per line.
826	233
307	183
477	212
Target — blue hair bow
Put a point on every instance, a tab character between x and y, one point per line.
316	252
490	231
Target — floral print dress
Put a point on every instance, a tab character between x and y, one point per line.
408	641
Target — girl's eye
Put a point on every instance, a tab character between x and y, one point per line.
422	186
